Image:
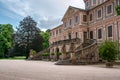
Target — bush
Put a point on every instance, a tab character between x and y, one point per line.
52	53
108	51
118	10
59	53
45	54
34	52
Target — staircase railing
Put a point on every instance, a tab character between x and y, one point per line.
38	56
87	54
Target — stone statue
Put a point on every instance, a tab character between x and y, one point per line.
72	52
63	51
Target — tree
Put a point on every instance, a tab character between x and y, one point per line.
118	10
26	34
108	51
37	43
45	36
6	39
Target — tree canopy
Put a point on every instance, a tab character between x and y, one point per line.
45	36
27	36
6	39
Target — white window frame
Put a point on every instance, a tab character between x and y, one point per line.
112	31
101	13
107	14
101	33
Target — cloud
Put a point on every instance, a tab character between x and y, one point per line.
46	12
49	23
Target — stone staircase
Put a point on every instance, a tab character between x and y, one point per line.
85	53
88	53
38	56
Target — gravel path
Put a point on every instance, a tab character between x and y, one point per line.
39	70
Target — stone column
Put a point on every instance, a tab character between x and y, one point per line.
104	35
115	31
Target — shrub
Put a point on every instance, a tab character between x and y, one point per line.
59	53
52	53
108	51
118	10
45	54
34	52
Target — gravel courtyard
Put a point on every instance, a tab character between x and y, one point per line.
39	70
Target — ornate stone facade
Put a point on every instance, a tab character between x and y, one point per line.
97	21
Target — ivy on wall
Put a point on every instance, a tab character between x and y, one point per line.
118	10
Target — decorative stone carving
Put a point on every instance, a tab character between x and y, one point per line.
63	52
73	57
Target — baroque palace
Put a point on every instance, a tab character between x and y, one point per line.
83	29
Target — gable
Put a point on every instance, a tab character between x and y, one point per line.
70	12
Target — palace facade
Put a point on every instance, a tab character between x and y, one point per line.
98	21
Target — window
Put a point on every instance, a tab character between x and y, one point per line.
87	4
91	34
64	37
99	13
56	31
53	33
59	30
118	2
65	24
70	22
109	9
99	33
76	19
94	1
76	35
84	18
91	17
69	35
109	31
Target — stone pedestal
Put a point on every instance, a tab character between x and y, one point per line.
73	58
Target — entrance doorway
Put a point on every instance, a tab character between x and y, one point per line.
69	35
57	50
84	37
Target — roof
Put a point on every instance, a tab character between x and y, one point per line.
57	27
73	9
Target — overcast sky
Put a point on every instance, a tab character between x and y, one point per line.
47	13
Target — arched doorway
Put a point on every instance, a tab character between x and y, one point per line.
57	51
69	35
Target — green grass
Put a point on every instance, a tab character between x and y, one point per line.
14	58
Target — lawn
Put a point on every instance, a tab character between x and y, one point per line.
14	58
